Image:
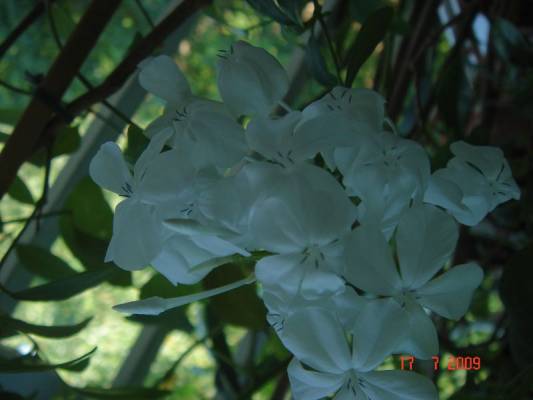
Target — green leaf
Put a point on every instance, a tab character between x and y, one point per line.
42	263
136	143
59	331
371	34
91	213
242	306
68	141
270	9
158	285
66	287
510	43
128	393
20	192
91	251
3	137
317	64
33	364
10	116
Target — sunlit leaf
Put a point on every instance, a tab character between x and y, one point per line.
136	143
91	213
20	192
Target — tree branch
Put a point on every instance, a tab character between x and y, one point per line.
28	20
142	50
22	141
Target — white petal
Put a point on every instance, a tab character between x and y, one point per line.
421	340
311	385
378	330
283	272
157	305
398	385
151	152
137	235
272	137
319	283
211	134
162	77
486	158
316	338
369	263
250	80
109	170
425	240
450	293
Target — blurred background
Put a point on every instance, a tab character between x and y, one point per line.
450	70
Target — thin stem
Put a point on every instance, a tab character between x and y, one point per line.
80	76
145	14
43	215
320	17
15	89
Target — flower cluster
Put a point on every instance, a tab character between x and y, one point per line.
358	252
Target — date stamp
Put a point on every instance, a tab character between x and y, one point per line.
451	363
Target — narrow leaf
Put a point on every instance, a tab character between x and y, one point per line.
128	393
42	263
270	9
64	288
20	192
371	34
157	305
58	331
317	64
32	364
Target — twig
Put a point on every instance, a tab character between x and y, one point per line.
30	217
15	89
28	20
85	82
142	50
21	143
172	370
145	14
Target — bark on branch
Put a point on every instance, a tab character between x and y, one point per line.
40	120
36	116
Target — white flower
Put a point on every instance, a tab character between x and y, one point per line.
203	127
474	182
324	364
301	219
346	114
289	141
425	240
137	229
250	80
163	186
386	173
